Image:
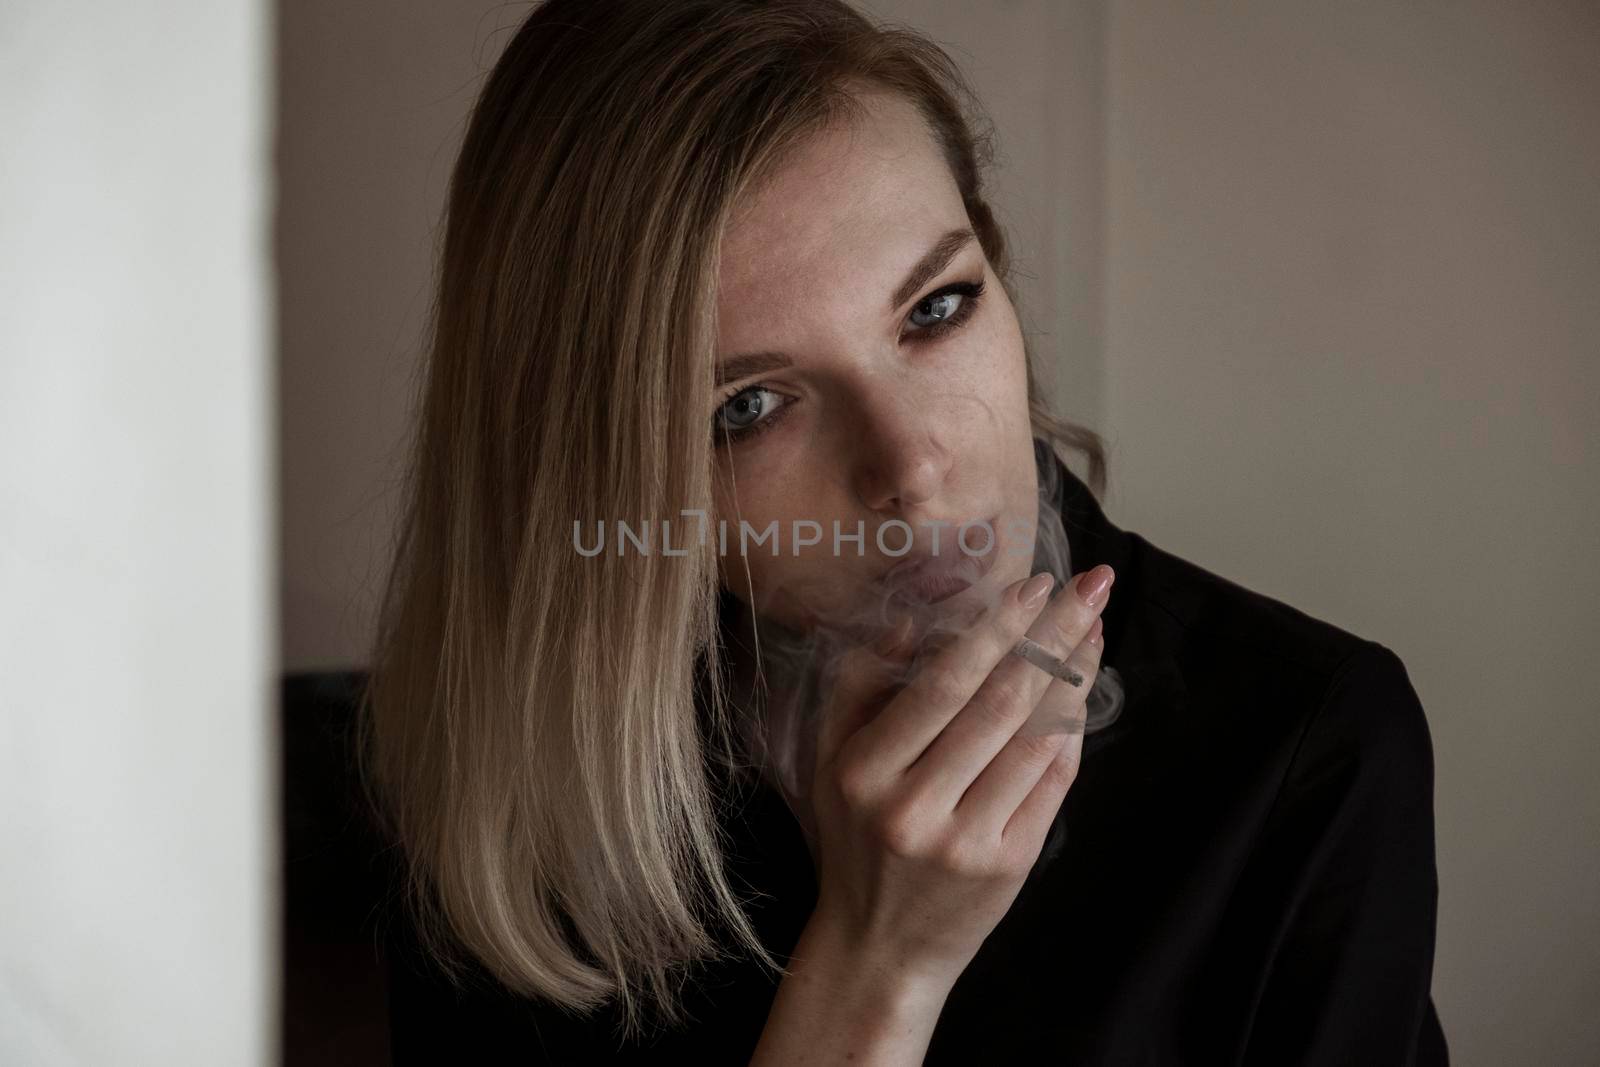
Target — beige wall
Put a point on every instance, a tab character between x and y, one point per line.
1353	362
372	101
1325	279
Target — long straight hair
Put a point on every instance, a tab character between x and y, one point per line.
531	732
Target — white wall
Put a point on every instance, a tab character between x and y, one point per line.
1353	362
137	856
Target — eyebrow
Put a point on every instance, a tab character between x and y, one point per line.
933	261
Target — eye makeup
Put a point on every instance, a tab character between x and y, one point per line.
970	293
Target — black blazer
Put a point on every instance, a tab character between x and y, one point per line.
1246	874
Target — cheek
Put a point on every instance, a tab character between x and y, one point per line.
791	590
757	505
990	364
997	322
1006	365
1006	390
755	513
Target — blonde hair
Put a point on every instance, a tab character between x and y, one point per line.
531	732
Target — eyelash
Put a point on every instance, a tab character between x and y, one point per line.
970	293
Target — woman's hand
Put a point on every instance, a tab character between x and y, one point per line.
932	807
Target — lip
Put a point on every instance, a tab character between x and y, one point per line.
928	579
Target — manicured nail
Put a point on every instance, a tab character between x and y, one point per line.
1093	584
1037	588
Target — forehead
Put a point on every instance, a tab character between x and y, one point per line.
849	210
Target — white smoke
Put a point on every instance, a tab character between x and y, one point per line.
780	721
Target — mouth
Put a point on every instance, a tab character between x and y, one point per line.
929	579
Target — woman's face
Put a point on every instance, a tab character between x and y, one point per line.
865	386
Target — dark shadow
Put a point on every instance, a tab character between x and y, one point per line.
335	877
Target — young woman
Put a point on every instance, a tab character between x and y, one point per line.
695	740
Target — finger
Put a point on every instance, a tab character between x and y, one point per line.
1007	697
1064	707
911	722
1030	823
1010	778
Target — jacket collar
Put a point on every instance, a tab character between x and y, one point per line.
1142	637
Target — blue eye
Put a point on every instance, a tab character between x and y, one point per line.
947	308
748	412
755	409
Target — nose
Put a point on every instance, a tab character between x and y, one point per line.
900	461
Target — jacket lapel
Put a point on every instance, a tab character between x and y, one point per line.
1142	639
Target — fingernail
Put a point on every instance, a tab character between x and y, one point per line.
1094	632
1037	588
1092	585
